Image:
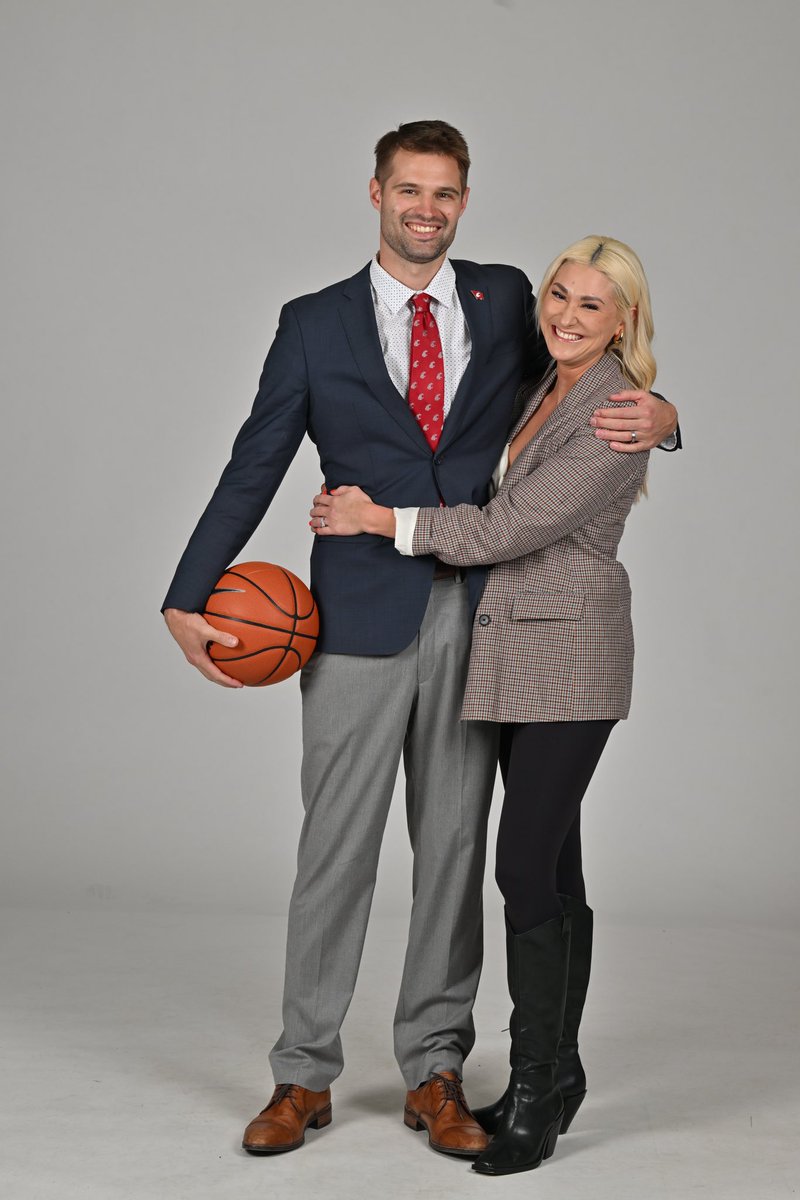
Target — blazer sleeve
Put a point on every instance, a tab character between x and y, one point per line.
262	452
555	499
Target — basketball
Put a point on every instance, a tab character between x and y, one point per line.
274	616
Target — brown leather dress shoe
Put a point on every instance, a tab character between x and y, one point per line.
439	1106
282	1124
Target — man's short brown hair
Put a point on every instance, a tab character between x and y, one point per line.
422	137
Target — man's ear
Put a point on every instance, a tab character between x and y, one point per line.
375	193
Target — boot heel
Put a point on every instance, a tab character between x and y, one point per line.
571	1106
551	1139
321	1119
410	1119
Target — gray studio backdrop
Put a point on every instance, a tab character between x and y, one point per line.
172	172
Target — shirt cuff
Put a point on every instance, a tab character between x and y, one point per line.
669	443
406	524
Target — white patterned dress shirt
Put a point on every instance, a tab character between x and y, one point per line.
394	315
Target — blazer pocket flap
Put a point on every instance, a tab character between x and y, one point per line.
547	606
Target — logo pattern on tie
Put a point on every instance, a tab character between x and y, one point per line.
426	372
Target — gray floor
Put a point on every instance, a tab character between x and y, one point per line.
134	1052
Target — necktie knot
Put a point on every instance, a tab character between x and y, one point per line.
422	302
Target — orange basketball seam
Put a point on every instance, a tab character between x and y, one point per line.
290	581
255	653
209	612
280	664
295	616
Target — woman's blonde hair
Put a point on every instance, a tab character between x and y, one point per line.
622	267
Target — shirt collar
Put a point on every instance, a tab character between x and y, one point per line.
395	294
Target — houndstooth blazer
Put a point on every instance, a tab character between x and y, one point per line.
552	637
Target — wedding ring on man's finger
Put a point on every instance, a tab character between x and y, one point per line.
634	436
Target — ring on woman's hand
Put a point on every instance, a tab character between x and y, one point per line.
634	436
322	522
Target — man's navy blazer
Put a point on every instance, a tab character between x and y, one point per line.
325	375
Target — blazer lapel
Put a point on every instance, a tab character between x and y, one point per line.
569	414
533	401
478	315
357	312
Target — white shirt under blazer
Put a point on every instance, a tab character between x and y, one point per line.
394	317
552	637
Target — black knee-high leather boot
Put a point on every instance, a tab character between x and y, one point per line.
571	1075
533	1109
489	1116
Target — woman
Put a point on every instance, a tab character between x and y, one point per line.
551	658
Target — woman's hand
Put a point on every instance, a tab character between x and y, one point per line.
348	510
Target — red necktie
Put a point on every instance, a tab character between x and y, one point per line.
426	371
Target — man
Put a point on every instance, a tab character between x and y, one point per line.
348	366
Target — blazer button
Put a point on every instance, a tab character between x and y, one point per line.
439	459
484	619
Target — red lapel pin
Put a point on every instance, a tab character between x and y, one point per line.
478	295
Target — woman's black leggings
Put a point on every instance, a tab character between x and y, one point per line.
546	768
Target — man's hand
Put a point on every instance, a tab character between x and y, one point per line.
193	633
630	430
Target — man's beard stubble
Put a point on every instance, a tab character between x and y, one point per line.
406	250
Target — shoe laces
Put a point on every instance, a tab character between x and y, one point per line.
452	1091
285	1091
